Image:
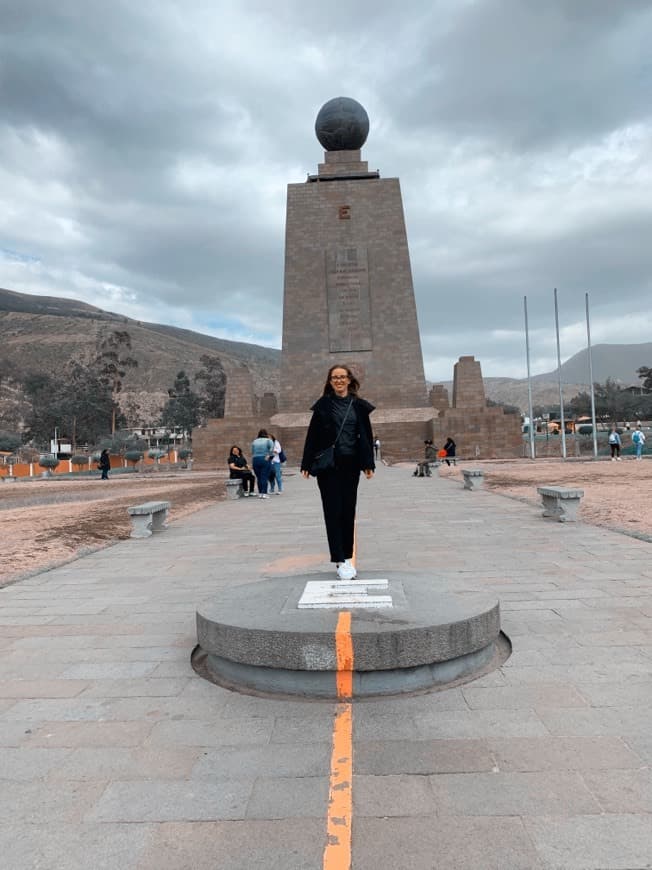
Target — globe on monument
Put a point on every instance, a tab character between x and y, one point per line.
342	125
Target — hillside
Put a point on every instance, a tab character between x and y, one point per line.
616	361
41	334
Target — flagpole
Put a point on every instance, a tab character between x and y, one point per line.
561	394
529	382
588	341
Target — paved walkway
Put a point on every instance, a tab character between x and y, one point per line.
114	755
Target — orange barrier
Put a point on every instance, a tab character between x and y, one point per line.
65	466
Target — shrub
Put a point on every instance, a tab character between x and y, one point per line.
155	454
185	453
133	456
79	460
48	462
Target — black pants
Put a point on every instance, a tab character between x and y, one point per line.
247	479
339	494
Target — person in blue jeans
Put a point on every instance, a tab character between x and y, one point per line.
262	450
276	472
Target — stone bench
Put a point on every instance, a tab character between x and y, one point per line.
234	488
473	478
560	502
147	518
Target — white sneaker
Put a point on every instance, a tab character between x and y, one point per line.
345	570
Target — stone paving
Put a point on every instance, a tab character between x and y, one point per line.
115	755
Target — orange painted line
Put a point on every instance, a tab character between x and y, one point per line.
337	854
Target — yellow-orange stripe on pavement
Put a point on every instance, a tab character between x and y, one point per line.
337	854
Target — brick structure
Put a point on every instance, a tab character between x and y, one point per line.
479	432
348	298
348	288
468	388
439	398
239	398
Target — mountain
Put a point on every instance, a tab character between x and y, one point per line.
42	333
616	361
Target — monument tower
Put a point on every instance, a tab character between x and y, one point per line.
348	294
349	300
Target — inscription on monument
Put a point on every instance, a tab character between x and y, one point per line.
347	284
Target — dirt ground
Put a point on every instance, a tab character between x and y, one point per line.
617	495
48	522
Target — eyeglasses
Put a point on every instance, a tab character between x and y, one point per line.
339	377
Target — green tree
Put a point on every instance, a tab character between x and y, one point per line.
9	441
580	405
113	362
182	408
78	404
213	379
645	374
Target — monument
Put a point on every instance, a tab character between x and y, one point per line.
349	299
348	294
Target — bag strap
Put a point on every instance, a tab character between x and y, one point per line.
343	422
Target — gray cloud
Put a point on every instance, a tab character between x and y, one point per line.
146	149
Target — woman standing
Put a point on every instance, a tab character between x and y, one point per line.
340	419
615	443
262	450
104	464
276	471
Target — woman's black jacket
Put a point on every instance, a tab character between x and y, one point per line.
322	432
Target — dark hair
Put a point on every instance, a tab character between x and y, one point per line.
354	383
235	447
262	434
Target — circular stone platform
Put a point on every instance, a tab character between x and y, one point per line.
255	638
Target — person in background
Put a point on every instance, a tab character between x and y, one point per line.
615	443
239	470
262	450
276	473
104	464
449	447
638	440
430	458
377	449
340	418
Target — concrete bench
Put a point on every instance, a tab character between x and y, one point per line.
149	517
560	502
473	478
234	488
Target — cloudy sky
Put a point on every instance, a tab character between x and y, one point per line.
146	148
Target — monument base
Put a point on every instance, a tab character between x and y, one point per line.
256	638
401	432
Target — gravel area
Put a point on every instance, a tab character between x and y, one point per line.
48	522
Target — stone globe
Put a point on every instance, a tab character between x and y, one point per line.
342	125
